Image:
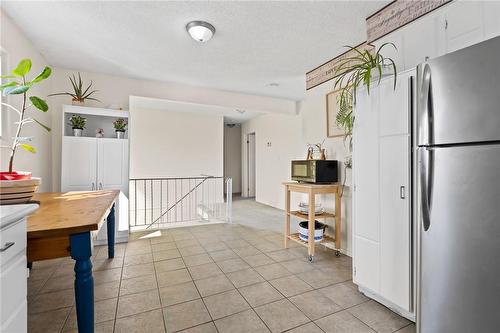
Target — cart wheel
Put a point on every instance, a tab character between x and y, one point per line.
337	253
311	258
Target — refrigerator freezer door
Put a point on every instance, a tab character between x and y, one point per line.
459	96
459	286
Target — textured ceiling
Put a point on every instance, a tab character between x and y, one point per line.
256	43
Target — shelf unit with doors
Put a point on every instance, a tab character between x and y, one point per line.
92	163
383	257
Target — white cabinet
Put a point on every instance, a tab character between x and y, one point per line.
382	260
94	164
79	164
112	166
464	25
13	271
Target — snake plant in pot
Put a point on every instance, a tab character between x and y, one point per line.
17	186
362	69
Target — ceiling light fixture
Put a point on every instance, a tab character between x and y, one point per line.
200	31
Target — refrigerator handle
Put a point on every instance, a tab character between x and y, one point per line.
426	133
426	180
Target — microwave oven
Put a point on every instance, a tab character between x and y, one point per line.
315	171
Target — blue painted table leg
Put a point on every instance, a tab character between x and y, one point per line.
84	282
111	232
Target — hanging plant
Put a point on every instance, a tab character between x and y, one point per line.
356	71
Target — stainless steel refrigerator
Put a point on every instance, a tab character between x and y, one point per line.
458	191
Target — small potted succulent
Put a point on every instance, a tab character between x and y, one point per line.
19	186
79	94
120	125
77	124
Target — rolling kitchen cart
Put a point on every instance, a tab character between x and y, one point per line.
312	190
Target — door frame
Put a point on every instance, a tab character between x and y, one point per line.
250	161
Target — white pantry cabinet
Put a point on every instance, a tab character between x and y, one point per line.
94	164
382	224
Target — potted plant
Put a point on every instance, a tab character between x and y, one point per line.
18	186
354	72
79	94
120	125
77	124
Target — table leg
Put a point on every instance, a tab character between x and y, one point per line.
338	222
287	215
110	221
310	239
84	282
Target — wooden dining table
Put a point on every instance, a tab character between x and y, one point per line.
62	227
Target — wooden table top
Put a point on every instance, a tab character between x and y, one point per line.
65	213
312	188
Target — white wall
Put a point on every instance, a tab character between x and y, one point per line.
232	155
272	162
117	90
14	47
174	144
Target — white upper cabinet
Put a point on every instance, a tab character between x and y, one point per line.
423	39
112	168
79	164
463	24
491	15
388	51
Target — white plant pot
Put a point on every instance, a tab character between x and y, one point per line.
120	134
77	132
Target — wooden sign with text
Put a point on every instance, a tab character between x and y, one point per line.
397	14
328	70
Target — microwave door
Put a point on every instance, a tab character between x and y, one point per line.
301	170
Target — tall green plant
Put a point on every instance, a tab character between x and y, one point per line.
19	85
355	71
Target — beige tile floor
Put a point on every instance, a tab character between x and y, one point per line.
213	278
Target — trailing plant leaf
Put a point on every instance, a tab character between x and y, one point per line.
42	125
45	73
39	103
27	147
22	68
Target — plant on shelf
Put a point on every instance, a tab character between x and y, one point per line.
120	125
79	94
19	85
77	123
356	71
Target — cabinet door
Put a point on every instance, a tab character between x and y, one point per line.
112	166
424	38
464	25
394	105
395	222
79	156
491	14
367	263
365	165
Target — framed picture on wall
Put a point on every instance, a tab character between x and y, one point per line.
332	108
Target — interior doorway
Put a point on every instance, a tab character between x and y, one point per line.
251	165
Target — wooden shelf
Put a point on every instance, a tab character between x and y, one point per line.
326	239
324	215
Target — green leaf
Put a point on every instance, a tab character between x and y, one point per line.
39	103
45	73
7	76
22	68
10	84
27	147
44	127
16	90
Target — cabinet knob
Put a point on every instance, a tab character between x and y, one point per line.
7	246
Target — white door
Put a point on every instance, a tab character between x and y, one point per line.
251	164
366	206
395	222
112	167
79	164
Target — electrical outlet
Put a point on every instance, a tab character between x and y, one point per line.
269	144
348	162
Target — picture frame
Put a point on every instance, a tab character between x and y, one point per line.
332	108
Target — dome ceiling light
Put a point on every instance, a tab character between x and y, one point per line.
200	31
